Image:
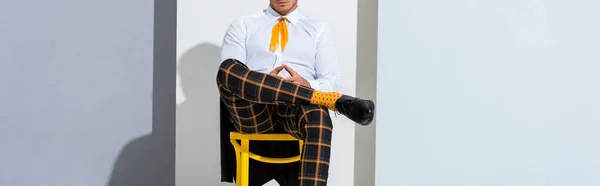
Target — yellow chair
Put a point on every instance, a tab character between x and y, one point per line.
243	154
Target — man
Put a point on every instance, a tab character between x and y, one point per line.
281	69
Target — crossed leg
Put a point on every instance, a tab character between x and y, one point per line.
254	99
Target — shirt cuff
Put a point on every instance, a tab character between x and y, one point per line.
314	84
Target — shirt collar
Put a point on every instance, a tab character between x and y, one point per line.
292	17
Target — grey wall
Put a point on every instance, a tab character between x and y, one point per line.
80	103
366	86
494	93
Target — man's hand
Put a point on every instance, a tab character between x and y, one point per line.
276	71
295	77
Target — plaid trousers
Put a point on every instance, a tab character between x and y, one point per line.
258	102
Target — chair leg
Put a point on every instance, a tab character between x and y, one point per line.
238	172
245	162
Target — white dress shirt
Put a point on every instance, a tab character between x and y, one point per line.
310	51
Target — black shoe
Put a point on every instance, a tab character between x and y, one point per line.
358	110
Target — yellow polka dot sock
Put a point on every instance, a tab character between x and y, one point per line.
326	99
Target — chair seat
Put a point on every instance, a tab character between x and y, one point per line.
263	137
243	154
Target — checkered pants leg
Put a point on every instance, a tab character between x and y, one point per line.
257	102
237	79
312	124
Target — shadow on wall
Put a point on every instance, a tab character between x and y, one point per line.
141	163
198	117
150	159
147	160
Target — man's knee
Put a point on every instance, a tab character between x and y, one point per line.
225	65
221	74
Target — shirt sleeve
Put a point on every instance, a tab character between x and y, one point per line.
327	63
234	42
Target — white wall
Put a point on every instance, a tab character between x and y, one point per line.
488	92
201	25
